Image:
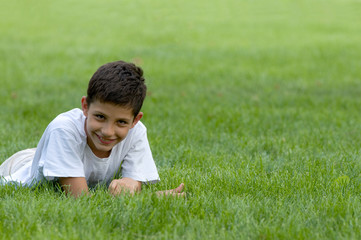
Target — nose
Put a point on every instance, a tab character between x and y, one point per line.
108	130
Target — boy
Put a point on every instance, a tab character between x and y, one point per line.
83	148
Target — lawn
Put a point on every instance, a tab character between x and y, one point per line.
254	105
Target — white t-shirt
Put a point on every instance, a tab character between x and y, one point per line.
63	152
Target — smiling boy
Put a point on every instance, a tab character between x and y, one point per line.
94	145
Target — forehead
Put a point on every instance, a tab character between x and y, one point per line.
111	109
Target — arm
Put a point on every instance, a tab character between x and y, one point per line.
118	186
74	186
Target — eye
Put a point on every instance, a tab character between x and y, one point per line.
122	122
99	117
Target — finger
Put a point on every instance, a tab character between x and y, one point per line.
165	193
170	193
179	188
183	194
111	186
114	190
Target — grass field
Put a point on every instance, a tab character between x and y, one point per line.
254	105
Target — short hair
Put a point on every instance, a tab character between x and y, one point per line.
120	83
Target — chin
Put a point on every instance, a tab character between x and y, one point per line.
105	149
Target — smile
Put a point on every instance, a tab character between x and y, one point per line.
105	141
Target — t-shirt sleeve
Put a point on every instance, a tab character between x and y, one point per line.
138	163
62	155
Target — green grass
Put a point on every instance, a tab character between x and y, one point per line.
254	105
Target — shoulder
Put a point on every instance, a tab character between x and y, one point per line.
73	115
135	135
70	121
138	129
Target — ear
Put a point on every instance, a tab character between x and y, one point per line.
137	118
84	106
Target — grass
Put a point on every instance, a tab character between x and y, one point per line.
254	105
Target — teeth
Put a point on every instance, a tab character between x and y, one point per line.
105	140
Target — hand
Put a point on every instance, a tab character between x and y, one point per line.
176	192
124	185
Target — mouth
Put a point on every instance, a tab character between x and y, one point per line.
104	140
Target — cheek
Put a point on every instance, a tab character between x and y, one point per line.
122	133
92	125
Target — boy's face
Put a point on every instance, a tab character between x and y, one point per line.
106	125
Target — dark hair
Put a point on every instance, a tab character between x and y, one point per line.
120	83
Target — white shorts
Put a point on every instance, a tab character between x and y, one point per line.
16	161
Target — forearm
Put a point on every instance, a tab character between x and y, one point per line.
78	186
74	186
